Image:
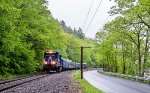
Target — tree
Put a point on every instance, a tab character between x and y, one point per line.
130	34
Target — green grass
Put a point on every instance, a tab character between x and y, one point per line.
85	86
12	76
7	76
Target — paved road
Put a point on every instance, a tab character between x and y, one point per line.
110	84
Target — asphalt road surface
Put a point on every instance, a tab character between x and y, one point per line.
110	84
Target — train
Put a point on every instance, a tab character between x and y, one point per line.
53	61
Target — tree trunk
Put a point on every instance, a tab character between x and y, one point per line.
124	64
146	51
139	53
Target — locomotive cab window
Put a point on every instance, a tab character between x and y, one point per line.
51	57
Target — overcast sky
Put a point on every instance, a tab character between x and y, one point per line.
74	13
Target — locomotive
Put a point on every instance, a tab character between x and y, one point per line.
53	61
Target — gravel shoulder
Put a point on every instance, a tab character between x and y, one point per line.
63	82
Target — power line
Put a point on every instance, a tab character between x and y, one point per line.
93	16
88	14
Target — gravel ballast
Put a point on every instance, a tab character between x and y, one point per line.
56	83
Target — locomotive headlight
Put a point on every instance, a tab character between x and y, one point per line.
45	62
53	62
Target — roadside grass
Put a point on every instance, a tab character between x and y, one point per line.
85	86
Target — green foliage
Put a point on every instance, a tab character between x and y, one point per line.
76	39
27	30
78	33
123	45
8	76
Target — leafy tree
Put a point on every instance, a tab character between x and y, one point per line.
27	30
128	36
78	33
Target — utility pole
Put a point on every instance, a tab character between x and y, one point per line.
82	61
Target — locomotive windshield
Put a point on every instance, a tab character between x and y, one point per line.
51	57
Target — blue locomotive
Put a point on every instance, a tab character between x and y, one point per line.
53	61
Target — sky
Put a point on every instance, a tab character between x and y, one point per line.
74	13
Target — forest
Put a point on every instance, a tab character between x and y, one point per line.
123	45
28	29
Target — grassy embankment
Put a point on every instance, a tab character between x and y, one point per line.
7	76
85	86
12	76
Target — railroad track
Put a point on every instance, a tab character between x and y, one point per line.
8	84
12	80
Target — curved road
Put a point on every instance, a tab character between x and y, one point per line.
110	84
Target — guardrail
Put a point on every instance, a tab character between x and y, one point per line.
130	77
